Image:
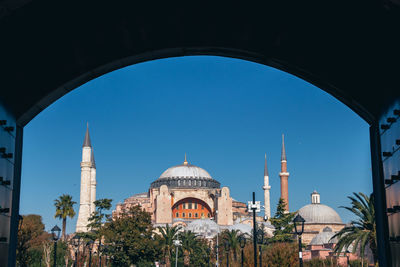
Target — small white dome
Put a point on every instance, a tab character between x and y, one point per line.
319	213
324	237
205	227
185	171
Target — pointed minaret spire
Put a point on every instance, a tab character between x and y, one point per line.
283	155
93	161
266	189
185	162
265	166
284	174
87	142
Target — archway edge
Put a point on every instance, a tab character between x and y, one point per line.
303	74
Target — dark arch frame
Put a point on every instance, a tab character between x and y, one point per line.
59	92
347	48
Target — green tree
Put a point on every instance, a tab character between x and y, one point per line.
168	235
281	254
232	237
130	239
362	231
189	244
201	253
31	236
282	221
98	218
64	208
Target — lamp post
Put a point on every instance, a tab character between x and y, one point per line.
254	207
76	240
242	243
90	247
348	257
217	246
299	229
260	240
55	231
208	254
227	248
177	244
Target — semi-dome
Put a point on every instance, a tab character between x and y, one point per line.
205	227
186	176
325	237
319	213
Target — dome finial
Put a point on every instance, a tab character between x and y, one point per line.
185	162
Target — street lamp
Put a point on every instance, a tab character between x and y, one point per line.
348	257
227	248
299	229
90	246
242	243
177	244
260	239
208	255
76	242
55	231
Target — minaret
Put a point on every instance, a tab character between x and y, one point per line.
86	199
266	189
93	184
284	176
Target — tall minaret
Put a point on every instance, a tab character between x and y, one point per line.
266	189
87	170
93	184
284	176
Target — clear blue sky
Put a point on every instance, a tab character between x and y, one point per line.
224	113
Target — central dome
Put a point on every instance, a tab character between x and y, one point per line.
186	171
186	176
319	213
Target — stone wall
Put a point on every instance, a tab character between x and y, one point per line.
163	206
224	216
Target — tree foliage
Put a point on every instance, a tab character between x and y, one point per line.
362	231
282	221
130	239
281	254
64	208
168	235
31	235
232	238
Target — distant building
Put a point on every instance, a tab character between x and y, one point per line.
317	217
185	193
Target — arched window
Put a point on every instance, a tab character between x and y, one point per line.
177	215
190	215
196	215
183	215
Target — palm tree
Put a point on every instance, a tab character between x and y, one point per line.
189	245
362	231
64	208
168	235
232	237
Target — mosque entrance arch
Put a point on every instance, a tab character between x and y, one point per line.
191	208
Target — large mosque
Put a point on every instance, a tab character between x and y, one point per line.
188	195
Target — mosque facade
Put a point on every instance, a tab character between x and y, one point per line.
188	195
